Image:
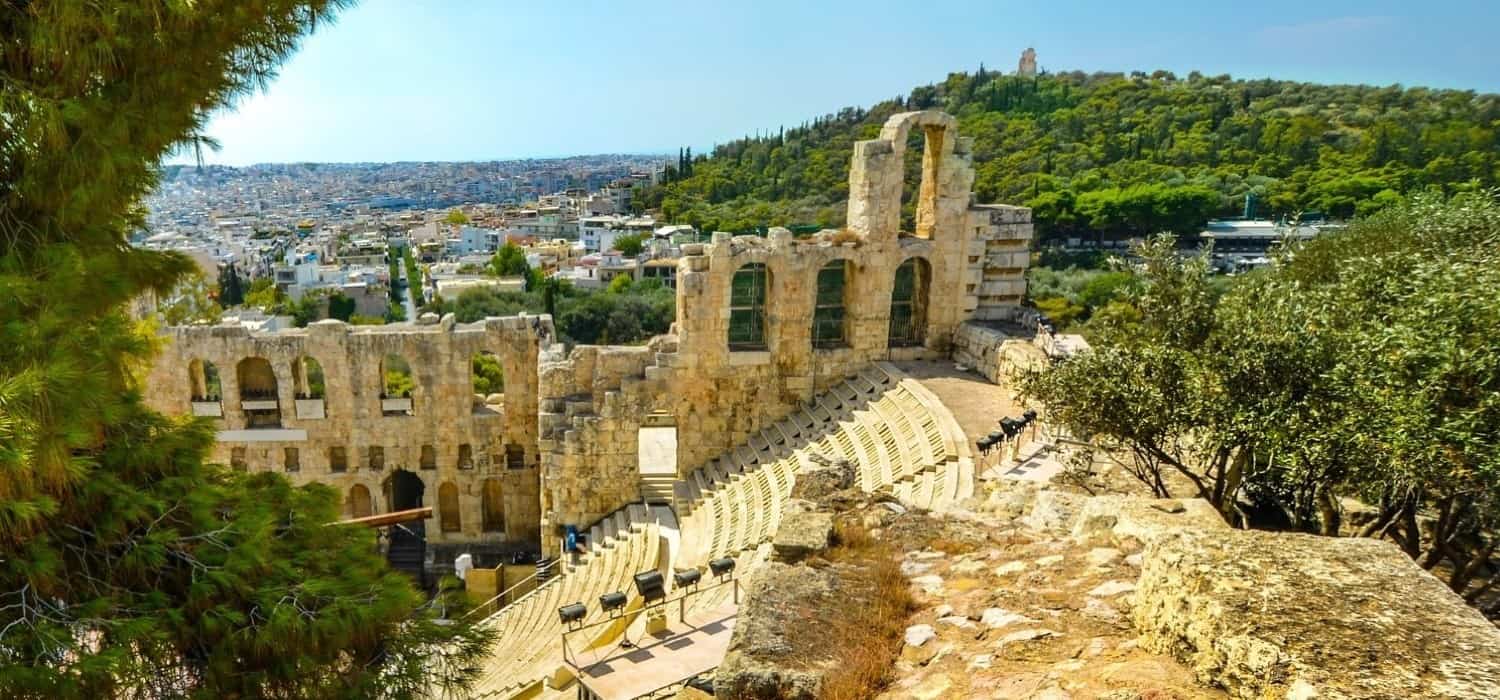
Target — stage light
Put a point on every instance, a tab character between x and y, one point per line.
722	567
570	614
650	585
689	577
614	600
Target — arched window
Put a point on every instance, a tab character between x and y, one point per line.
488	377
492	506
308	376
747	308
829	328
205	380
358	503
396	386
909	303
448	516
258	393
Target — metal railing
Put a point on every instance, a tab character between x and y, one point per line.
551	577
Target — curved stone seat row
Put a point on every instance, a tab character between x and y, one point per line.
895	432
530	646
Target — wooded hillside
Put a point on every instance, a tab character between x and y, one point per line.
1115	155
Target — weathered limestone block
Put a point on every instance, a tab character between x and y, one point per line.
1054	511
1273	615
816	482
802	534
763	661
1111	519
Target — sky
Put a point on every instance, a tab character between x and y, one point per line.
411	80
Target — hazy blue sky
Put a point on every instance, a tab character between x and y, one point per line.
409	80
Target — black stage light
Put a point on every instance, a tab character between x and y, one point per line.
614	600
650	585
722	567
572	613
689	577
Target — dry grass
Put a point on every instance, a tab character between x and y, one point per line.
952	547
866	633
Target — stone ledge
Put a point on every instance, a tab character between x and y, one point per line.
1272	615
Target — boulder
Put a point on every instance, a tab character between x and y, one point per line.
1266	614
767	656
1115	519
817	482
802	534
1054	511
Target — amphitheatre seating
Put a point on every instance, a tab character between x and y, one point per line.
531	645
896	433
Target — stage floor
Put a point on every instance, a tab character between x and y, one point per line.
683	650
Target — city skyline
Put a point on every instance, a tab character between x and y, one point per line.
593	79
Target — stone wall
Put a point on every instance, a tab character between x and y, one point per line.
445	417
575	415
594	400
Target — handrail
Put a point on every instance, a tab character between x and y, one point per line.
518	584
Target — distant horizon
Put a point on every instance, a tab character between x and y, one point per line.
178	164
539	82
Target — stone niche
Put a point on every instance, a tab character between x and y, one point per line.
323	414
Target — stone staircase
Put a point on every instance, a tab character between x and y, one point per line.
656	489
897	434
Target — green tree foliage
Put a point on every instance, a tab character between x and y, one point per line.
264	295
413	278
489	376
1109	155
130	567
231	288
632	313
456	217
1362	364
191	301
1073	294
629	245
509	261
395	276
340	306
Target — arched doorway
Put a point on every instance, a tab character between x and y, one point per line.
407	546
909	303
404	490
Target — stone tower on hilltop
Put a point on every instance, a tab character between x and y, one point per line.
1027	67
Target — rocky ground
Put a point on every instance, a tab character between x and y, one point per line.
1008	609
